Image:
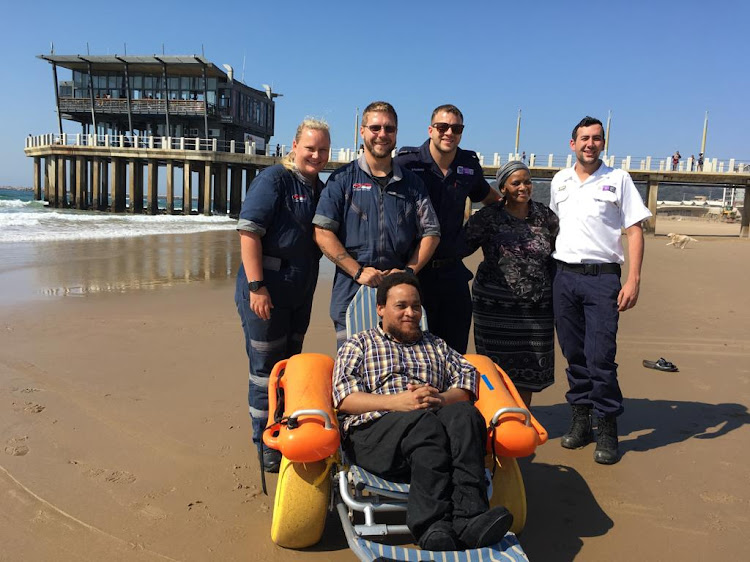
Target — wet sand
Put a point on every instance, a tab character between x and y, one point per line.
124	429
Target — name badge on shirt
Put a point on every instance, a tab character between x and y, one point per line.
297	198
463	171
361	186
610	188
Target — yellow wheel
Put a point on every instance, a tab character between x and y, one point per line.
303	492
508	490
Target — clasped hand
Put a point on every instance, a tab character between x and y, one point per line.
419	397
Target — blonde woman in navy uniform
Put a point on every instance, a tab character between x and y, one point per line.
279	271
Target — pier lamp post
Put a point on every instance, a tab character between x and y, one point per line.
606	134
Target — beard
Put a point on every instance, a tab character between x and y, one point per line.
379	150
405	336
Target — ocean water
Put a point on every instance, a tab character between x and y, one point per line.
22	219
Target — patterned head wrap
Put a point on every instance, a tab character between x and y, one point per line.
505	172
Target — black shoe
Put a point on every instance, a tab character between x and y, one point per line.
440	536
271	460
580	434
486	529
606	441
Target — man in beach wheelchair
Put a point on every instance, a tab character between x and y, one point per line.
316	476
407	398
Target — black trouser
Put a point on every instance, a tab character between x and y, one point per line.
440	452
447	302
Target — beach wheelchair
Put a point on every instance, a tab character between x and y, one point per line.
315	476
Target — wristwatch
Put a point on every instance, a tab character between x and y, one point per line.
255	285
409	270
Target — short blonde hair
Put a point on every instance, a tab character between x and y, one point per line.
307	123
379	107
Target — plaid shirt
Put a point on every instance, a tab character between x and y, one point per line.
375	363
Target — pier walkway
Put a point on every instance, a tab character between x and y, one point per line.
106	172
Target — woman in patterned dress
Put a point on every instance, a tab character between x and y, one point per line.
512	291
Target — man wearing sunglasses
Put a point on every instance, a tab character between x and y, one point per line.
374	216
451	174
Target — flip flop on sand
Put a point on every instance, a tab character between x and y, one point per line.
661	365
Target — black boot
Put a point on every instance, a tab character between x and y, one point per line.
580	434
606	441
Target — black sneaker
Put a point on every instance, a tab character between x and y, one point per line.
271	460
439	537
486	529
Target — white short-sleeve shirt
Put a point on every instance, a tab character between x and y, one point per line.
593	213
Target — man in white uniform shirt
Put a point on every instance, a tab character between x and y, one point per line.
594	202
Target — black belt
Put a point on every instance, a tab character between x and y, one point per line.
442	263
590	268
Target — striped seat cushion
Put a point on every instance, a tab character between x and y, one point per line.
507	550
364	480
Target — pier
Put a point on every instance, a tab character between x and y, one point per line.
122	173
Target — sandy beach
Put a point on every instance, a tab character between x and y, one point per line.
125	435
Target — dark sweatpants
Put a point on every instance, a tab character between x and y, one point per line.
440	452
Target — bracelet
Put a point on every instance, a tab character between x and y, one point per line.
359	272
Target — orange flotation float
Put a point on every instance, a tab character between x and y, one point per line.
308	429
516	432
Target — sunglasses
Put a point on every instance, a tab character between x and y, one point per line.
443	128
389	129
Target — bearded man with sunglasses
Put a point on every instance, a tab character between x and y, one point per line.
451	174
374	216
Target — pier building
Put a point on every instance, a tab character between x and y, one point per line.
176	120
165	96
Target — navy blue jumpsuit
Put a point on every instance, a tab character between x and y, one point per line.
378	227
279	207
445	279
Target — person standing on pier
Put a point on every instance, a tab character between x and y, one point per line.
279	270
374	216
451	174
594	202
676	160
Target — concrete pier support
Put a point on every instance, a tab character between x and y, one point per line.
651	200
170	187
62	185
745	225
152	198
45	179
235	191
80	186
201	187
251	173
206	206
38	182
96	184
220	193
104	193
135	169
51	180
118	185
187	191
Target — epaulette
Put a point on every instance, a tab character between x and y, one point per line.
407	150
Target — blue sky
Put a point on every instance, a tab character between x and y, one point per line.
657	65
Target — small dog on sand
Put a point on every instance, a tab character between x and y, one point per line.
679	240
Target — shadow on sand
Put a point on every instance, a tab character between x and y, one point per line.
562	510
562	507
657	423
